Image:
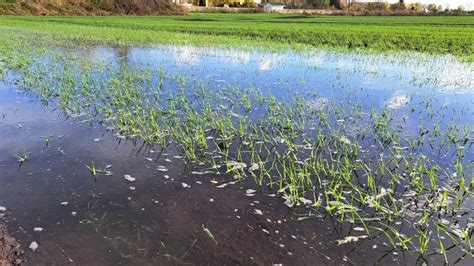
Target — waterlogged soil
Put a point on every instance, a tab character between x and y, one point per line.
10	251
102	221
170	215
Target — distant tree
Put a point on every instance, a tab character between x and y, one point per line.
417	7
432	8
336	3
322	4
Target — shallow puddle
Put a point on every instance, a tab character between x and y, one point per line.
171	213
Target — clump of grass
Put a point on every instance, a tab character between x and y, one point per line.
23	157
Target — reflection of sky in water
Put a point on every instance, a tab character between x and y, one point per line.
375	80
443	73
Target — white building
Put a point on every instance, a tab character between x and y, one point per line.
272	7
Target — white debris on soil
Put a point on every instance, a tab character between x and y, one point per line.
288	202
129	178
185	185
33	246
222	185
38	229
350	239
250	191
233	165
254	167
132	188
64	203
161	168
305	201
259	212
3	209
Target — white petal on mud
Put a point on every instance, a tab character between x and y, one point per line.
162	169
149	159
305	201
129	178
288	202
445	221
38	229
132	188
33	246
64	203
409	194
3	209
259	212
254	167
201	173
250	191
360	229
222	185
349	239
236	165
184	185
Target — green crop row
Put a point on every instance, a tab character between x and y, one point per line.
430	34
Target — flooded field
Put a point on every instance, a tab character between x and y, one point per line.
187	155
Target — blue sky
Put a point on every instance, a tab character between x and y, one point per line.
452	3
468	4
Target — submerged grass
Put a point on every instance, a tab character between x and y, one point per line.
363	169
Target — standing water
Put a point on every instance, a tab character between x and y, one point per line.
90	188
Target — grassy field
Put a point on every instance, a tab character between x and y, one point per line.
401	174
431	34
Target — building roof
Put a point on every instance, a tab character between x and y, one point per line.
275	4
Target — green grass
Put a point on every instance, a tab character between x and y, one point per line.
302	152
431	34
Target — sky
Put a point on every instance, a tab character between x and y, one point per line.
468	4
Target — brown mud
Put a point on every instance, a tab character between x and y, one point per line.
10	251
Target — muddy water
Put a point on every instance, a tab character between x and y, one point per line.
102	221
